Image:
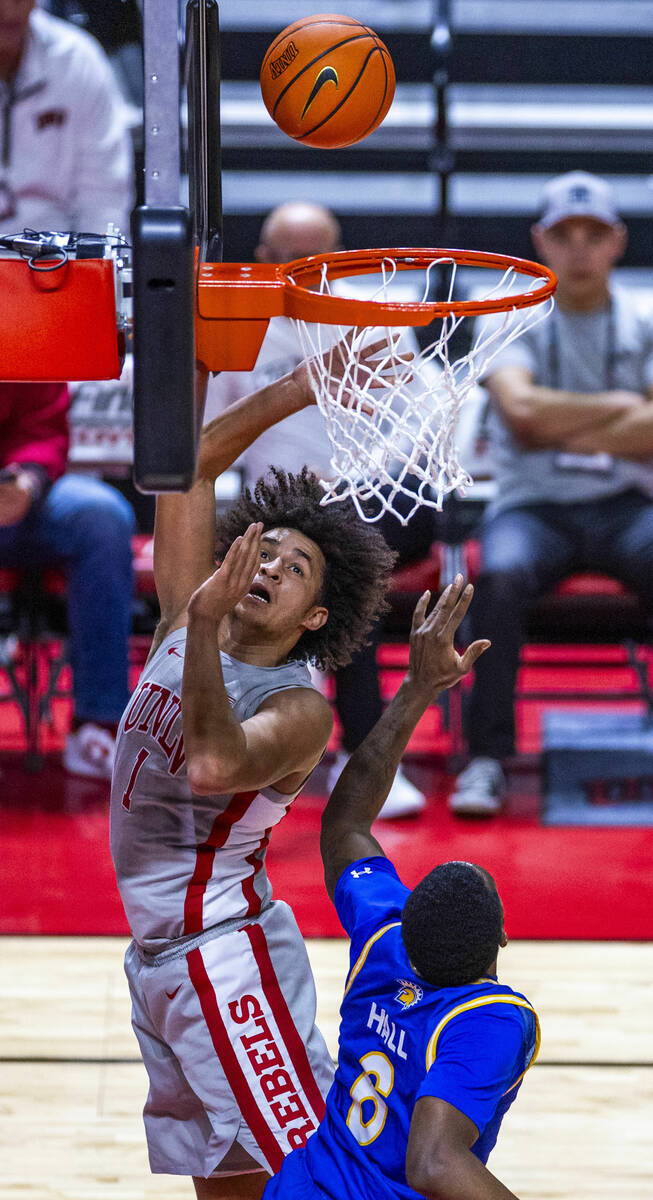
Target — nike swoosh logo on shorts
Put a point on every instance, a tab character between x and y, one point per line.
326	75
171	995
173	651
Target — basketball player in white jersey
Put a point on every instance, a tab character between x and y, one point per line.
222	731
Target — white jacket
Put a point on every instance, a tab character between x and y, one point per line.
66	160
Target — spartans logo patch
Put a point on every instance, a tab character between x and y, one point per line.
409	993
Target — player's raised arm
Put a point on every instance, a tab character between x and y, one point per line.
184	532
434	665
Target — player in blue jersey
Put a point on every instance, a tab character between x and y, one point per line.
432	1046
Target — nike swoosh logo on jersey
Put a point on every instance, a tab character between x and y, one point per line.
326	75
171	995
173	651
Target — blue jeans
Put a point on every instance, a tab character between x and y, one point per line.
525	551
85	526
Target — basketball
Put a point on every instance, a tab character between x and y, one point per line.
327	80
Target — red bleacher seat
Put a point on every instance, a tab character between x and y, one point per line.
406	587
582	583
32	655
590	585
53	580
420	575
579	594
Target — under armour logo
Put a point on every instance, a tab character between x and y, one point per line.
365	871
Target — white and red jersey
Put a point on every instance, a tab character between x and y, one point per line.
185	863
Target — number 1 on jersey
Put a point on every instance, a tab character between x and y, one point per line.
140	759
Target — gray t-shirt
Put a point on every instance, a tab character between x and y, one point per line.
579	352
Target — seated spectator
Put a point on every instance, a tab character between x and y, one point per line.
67	166
49	517
571	433
296	230
68	162
117	25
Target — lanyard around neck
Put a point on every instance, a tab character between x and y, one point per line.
610	357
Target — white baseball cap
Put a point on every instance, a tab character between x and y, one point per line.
578	194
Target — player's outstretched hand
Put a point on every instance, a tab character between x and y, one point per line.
375	365
232	580
434	663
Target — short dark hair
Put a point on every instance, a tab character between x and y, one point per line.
358	562
452	924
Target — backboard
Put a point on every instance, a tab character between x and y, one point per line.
178	226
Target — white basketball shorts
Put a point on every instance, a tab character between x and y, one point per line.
226	1025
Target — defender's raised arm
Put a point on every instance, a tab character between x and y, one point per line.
434	665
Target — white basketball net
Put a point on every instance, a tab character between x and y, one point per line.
381	436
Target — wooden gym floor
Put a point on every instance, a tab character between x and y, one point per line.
72	1084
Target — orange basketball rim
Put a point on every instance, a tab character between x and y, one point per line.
236	300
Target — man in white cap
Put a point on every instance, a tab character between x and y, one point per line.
571	429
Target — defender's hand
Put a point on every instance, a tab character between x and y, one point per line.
434	663
232	580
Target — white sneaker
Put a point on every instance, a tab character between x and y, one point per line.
335	770
479	789
404	799
90	751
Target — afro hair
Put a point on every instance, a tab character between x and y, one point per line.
358	561
452	924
